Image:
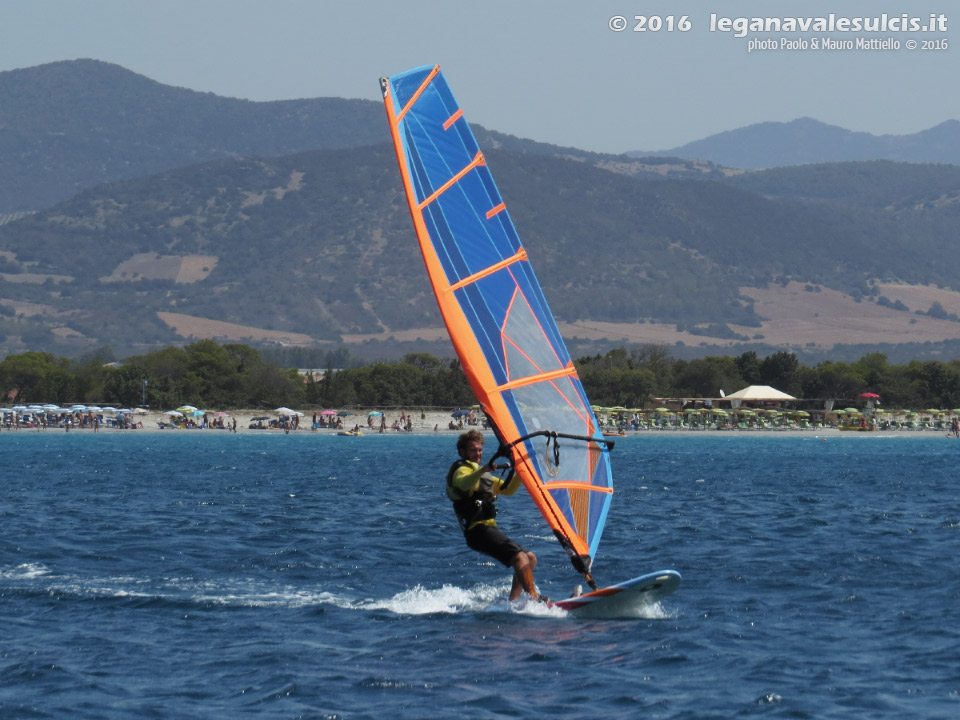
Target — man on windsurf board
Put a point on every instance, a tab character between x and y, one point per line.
474	491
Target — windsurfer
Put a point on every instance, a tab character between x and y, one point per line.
474	491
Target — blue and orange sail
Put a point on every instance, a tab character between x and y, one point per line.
498	319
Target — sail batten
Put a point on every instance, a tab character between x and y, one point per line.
477	161
516	257
494	211
498	319
531	379
554	485
452	119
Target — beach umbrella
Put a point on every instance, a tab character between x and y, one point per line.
344	413
329	412
220	413
459	413
283	411
174	413
374	413
187	409
259	418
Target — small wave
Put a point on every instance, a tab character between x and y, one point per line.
179	591
452	599
285	598
491	598
656	611
25	571
769	698
447	599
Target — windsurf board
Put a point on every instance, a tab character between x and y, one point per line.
629	595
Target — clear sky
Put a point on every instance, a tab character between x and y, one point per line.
550	70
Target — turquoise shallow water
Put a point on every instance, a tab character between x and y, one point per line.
176	575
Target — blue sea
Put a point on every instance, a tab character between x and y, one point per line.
214	575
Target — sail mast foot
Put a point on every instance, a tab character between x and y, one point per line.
581	563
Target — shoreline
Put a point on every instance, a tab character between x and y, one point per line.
151	422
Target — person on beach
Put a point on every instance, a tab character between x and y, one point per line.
474	492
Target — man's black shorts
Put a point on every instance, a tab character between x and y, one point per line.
491	541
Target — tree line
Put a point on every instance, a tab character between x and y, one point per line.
231	376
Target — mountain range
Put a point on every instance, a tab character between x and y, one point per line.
139	215
805	141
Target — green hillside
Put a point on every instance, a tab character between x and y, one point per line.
320	243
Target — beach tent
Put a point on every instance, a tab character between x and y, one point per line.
759	392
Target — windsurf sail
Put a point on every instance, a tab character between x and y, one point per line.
498	319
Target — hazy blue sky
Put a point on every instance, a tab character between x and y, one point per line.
551	70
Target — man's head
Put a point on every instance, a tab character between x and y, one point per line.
470	445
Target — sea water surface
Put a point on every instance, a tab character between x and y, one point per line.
215	575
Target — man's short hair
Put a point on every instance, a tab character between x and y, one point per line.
468	437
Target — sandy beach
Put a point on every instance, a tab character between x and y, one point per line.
421	425
439	421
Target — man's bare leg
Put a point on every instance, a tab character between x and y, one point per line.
523	567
